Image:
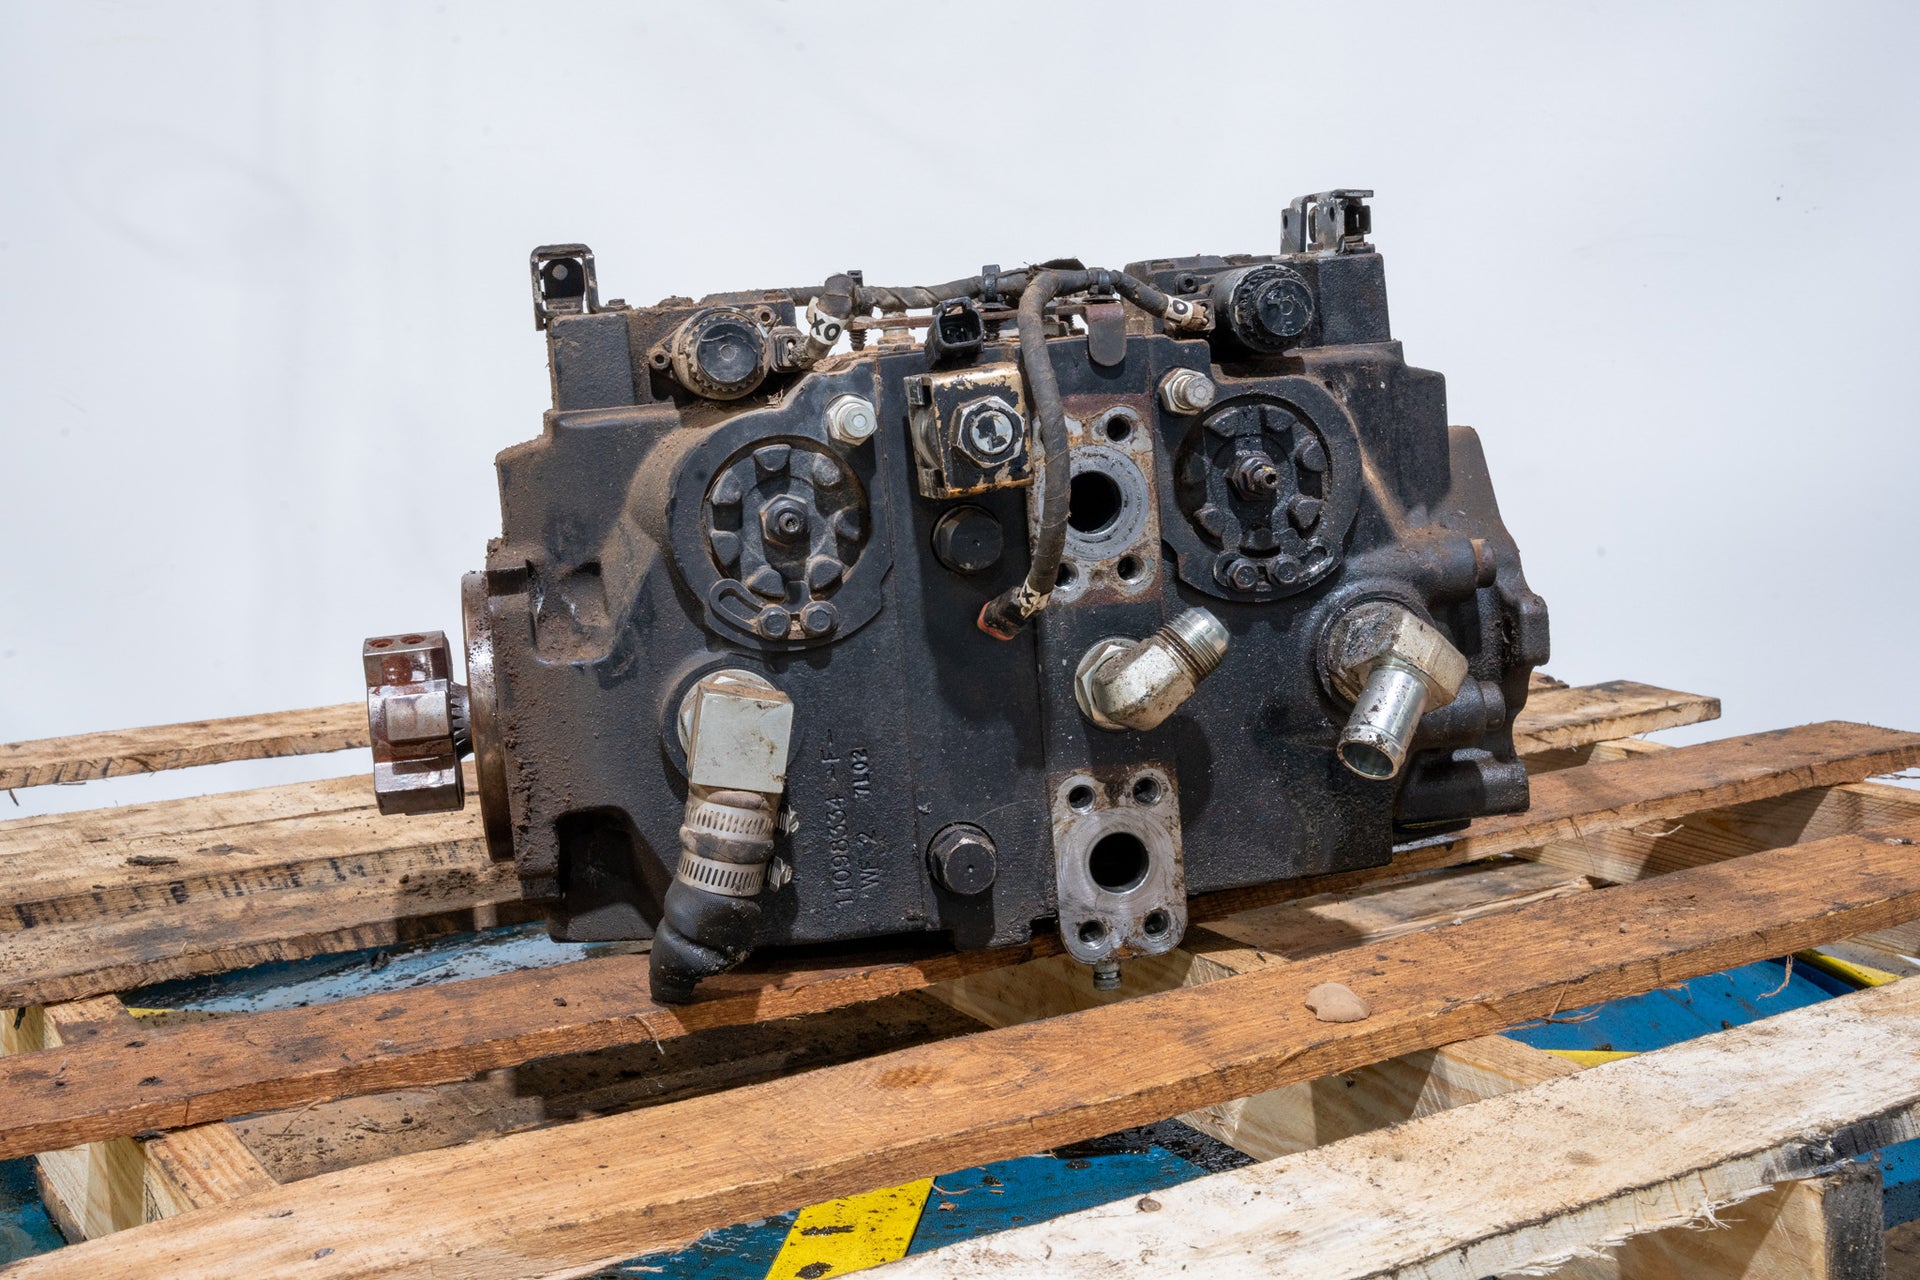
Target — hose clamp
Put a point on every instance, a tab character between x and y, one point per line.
731	879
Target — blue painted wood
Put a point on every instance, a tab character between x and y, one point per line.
24	1227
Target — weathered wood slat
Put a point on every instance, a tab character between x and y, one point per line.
1659	1140
566	1199
1295	1117
1627	707
1563	717
1614	794
1825	1228
436	1034
111	899
178	746
325	1136
102	1187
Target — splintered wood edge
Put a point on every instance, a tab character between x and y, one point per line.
118	752
1660	1140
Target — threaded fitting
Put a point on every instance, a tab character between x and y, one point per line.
1200	639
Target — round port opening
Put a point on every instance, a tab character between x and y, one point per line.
1092	931
1118	427
1118	862
1066	575
1157	923
1080	797
1093	502
1130	569
1367	760
1146	789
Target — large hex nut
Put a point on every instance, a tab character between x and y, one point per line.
1381	631
415	713
737	731
988	431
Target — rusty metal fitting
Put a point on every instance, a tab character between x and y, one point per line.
1136	684
417	719
736	729
1395	667
1187	391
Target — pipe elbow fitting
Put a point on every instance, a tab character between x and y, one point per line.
1136	684
1394	667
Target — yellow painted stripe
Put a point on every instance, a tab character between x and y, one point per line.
1590	1057
1860	975
845	1235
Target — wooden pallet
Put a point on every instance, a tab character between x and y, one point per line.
547	1121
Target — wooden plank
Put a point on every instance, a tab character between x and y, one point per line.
1560	718
567	1199
1824	1228
291	1057
355	1131
1616	794
1530	1179
1295	1117
178	746
1903	1252
1554	716
102	1187
121	897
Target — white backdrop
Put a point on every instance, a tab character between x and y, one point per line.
265	318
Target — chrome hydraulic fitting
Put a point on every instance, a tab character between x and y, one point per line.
1395	667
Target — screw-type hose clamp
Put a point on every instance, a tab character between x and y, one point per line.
734	879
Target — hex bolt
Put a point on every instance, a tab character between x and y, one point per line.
962	859
1237	572
851	420
773	622
991	433
783	519
1254	477
1187	391
819	618
968	539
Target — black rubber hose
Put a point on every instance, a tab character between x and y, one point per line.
1004	615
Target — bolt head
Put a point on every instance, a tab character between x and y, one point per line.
851	420
783	520
1236	571
1187	391
962	859
819	619
988	430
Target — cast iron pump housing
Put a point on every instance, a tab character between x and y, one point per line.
1041	598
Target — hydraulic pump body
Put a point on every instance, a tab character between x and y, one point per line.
1054	595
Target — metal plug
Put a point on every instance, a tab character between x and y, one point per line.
1395	667
1136	684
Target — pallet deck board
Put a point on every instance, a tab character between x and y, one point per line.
105	900
601	1190
117	752
292	1057
1528	1179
